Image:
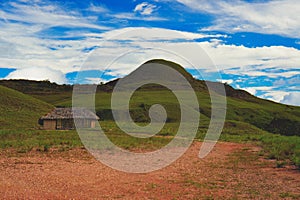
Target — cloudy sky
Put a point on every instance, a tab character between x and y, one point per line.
250	44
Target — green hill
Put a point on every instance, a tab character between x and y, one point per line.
241	106
20	111
248	118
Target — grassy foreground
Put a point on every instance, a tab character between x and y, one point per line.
285	149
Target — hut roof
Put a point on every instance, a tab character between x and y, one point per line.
70	113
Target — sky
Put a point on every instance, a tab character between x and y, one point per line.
252	45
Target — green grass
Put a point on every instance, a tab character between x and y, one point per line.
278	147
275	146
287	195
18	110
57	99
26	140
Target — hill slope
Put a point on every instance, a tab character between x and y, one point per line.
241	106
20	111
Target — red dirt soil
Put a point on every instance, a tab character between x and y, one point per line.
230	171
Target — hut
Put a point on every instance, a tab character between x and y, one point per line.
63	119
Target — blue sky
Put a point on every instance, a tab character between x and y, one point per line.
254	45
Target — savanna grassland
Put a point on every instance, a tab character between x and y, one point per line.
257	156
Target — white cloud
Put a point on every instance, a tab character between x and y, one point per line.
132	16
232	59
141	34
68	55
254	90
251	90
91	80
275	17
228	81
145	8
275	95
24	49
43	16
98	9
264	88
293	98
251	61
288	81
38	73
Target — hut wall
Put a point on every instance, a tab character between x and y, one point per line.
67	124
50	124
93	124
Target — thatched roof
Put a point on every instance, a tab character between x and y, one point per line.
70	113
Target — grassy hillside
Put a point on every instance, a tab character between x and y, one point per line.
241	106
20	111
248	118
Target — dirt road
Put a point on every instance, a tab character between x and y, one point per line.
231	171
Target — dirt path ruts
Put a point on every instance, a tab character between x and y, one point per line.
231	171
